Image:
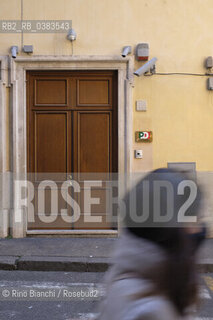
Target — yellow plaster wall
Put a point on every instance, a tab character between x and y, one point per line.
179	33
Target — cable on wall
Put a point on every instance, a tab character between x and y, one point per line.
179	73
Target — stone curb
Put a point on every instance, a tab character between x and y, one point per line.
80	264
41	263
73	264
8	262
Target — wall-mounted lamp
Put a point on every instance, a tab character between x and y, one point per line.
209	62
14	51
71	35
210	83
126	50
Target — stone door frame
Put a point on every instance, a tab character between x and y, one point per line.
18	141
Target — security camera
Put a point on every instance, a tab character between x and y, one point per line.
14	51
126	50
149	66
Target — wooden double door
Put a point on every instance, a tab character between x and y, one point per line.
72	135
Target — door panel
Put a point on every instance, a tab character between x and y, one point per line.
50	159
91	214
93	141
92	92
51	141
50	92
47	217
94	161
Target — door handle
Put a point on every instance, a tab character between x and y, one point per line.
69	178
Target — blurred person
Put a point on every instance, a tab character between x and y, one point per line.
153	274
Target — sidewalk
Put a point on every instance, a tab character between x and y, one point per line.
71	254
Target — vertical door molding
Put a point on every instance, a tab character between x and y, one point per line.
4	172
18	218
